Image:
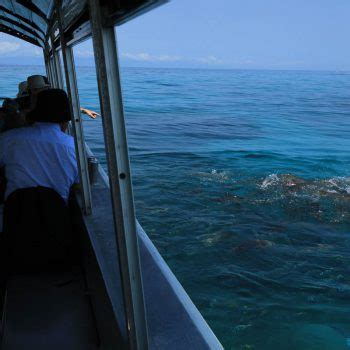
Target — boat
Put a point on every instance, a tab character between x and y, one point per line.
121	294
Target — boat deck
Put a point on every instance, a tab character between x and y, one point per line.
173	320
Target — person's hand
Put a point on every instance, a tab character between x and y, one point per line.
91	114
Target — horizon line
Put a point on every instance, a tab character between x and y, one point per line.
197	68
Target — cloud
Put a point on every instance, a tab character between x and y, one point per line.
84	53
211	60
146	57
7	47
11	47
37	52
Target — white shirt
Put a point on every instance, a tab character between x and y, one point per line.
39	155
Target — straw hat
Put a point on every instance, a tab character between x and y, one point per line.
37	82
22	89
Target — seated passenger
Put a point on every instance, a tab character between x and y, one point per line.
23	98
18	104
22	89
28	88
10	115
37	83
42	154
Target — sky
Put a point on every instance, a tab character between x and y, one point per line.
242	34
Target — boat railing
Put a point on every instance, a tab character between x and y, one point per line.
182	326
120	184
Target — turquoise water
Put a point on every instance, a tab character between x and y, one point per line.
242	180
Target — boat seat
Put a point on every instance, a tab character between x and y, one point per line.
38	234
48	312
46	305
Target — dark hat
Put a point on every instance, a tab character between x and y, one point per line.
52	106
37	82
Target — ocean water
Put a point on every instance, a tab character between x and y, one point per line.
242	181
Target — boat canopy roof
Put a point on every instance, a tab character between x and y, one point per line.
35	21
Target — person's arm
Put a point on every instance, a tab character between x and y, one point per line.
90	113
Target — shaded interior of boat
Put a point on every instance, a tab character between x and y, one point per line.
88	278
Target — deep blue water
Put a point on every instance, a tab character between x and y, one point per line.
242	180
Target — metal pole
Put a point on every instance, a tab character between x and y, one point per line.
50	71
72	89
59	69
47	67
53	72
57	62
108	77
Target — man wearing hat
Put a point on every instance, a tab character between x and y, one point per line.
41	154
12	112
10	116
23	98
22	89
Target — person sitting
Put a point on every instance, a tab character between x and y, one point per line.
10	115
38	83
22	89
42	154
23	99
14	110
